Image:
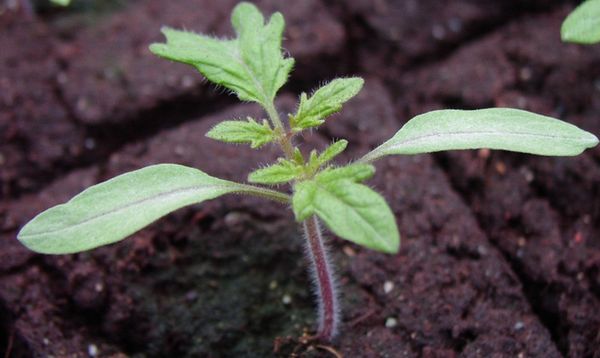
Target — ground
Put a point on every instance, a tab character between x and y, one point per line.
500	252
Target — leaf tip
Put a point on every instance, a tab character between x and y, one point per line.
391	246
590	140
27	237
157	48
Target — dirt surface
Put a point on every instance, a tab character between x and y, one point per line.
500	252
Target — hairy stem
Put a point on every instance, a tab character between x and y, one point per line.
284	141
321	269
323	279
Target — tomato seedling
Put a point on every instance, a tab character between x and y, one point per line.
253	67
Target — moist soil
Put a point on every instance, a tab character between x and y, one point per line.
500	252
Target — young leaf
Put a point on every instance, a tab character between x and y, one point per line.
495	128
354	172
281	172
243	132
324	102
582	26
112	210
332	151
352	211
252	65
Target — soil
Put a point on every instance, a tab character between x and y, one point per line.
500	252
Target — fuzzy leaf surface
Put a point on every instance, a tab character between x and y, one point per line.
582	26
495	128
324	102
112	210
351	210
243	132
281	172
353	172
252	65
332	151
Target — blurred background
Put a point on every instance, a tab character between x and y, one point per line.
500	251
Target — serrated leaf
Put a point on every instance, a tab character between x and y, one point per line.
582	26
332	151
112	210
352	211
252	65
298	157
324	102
354	172
495	128
243	132
316	161
281	172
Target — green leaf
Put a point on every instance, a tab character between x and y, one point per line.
324	102
281	172
354	172
243	132
112	210
582	26
495	128
252	65
352	211
61	2
298	157
316	161
332	151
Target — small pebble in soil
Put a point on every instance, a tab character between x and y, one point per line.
481	250
438	32
527	174
187	82
89	143
525	74
349	251
287	299
62	78
520	253
519	326
191	296
179	150
455	24
391	322
483	153
233	218
500	168
92	350
82	104
388	286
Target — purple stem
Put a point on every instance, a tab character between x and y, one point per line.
323	280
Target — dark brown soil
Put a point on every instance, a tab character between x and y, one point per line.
500	252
